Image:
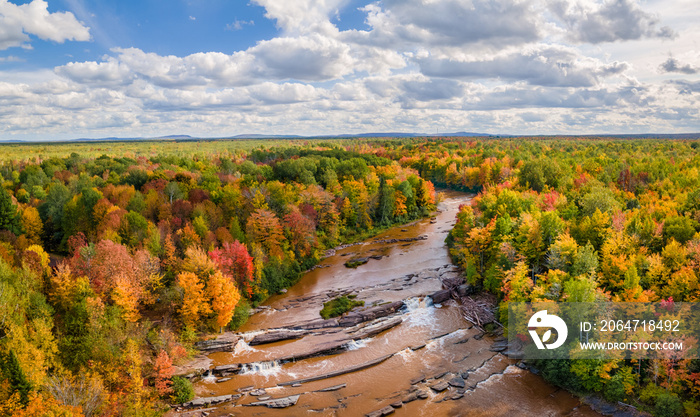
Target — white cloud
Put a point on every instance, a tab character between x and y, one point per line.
539	65
239	24
110	72
520	66
607	21
450	23
17	22
307	58
302	16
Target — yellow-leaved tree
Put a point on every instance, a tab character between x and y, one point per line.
224	296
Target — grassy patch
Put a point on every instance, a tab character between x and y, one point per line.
338	306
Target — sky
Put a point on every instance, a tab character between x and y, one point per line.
216	68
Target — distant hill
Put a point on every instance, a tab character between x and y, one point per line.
174	137
369	135
259	136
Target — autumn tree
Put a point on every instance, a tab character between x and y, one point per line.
32	225
224	297
301	231
233	260
163	369
264	229
194	302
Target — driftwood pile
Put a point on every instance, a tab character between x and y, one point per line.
477	307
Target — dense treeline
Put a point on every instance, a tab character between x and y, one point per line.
111	267
580	220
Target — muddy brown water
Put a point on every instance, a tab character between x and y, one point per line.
408	271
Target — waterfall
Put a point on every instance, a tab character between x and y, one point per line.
420	311
265	369
208	377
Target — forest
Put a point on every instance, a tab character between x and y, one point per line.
111	267
116	258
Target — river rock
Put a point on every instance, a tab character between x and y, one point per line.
376	328
457	382
318	324
209	401
283	402
276	336
355	262
417	380
356	317
381	310
417	395
383	412
350	319
440	375
222	369
215	345
258	392
440	386
440	297
220	380
499	346
333	388
397	404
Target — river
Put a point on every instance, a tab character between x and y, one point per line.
431	345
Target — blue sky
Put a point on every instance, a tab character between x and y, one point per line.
88	68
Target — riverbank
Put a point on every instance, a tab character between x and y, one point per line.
428	360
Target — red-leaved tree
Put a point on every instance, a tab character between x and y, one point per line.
234	260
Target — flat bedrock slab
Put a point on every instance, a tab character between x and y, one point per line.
283	402
209	401
440	386
382	412
276	336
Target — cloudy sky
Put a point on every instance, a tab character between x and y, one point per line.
213	68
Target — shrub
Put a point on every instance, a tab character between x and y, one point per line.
668	405
338	306
183	390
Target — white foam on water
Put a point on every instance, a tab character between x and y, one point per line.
266	369
357	344
248	336
406	354
420	312
310	369
243	347
209	378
